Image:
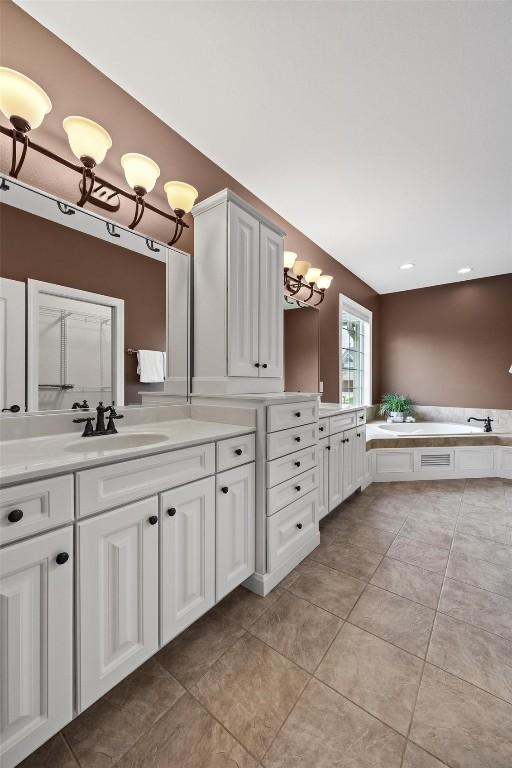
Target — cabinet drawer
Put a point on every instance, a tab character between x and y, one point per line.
35	507
115	484
323	427
341	422
284	493
235	451
289	440
361	416
289	528
291	415
286	467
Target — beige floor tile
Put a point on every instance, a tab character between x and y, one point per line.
409	581
107	729
329	589
491	515
483	549
374	539
478	607
460	724
244	607
480	573
429	532
355	561
325	730
378	676
251	690
385	520
472	653
187	737
55	753
192	653
299	630
395	619
415	757
476	525
428	556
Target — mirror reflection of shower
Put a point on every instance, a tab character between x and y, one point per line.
75	353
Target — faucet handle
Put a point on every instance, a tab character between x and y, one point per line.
88	430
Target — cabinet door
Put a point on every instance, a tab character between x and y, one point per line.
336	470
271	304
36	630
235	528
243	293
323	477
118	596
187	555
359	456
12	343
349	462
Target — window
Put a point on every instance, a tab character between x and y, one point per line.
355	353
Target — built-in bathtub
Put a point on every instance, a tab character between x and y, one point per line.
428	428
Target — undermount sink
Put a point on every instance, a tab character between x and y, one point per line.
108	443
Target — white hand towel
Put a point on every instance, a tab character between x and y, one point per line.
151	366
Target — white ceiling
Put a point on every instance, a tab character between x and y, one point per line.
381	130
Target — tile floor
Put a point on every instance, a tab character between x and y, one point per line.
389	647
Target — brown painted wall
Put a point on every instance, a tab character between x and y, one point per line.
76	87
301	350
450	344
34	247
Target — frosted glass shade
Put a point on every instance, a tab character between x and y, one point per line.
289	258
21	97
140	171
313	274
181	196
301	267
324	281
87	138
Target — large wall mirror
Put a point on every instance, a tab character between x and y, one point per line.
89	310
301	346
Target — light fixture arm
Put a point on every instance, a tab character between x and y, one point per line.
88	179
139	211
16	164
178	230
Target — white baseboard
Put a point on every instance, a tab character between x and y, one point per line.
263	583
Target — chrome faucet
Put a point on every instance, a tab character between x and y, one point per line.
487	420
100	429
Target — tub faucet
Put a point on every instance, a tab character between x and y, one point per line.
487	427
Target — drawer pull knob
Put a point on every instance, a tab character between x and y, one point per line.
361	418
297	487
297	413
328	447
171	511
321	429
224	489
256	365
153	520
264	365
297	463
359	434
62	558
15	515
299	526
297	439
238	451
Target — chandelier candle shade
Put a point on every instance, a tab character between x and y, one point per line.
290	258
323	282
24	103
301	267
312	275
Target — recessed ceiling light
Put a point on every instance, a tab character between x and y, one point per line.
409	265
464	270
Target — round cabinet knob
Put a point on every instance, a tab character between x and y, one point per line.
297	487
171	511
299	526
238	451
297	413
15	515
12	409
359	434
321	429
62	558
153	520
224	489
328	447
297	439
256	365
264	365
297	463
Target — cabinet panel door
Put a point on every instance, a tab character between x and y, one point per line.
336	479
243	293
36	654
349	462
235	528
187	555
323	478
271	304
12	343
118	596
359	456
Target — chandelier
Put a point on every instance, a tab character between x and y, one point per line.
304	278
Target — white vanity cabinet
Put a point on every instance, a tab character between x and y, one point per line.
36	660
341	459
235	528
117	596
323	477
187	555
238	298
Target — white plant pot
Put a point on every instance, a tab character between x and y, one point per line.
397	417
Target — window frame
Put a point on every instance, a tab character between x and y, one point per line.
361	313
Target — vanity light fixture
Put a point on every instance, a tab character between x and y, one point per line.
409	265
464	270
25	104
141	173
304	276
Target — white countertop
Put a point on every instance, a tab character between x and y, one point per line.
333	409
33	458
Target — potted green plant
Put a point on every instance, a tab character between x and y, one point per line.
395	406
